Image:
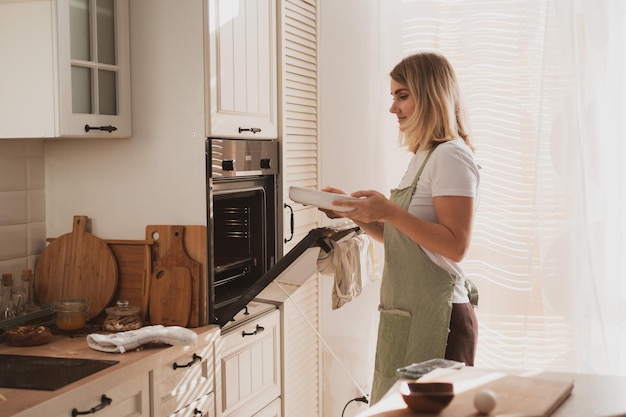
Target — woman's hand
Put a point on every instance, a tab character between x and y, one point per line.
331	214
369	206
366	205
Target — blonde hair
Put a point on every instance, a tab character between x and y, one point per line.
439	114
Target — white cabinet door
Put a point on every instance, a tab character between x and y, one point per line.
66	69
241	85
250	367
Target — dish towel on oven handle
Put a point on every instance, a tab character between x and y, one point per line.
352	263
132	339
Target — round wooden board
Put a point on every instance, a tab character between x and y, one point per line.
77	264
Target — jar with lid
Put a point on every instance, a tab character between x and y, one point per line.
71	313
7	309
122	318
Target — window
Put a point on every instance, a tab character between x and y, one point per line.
544	86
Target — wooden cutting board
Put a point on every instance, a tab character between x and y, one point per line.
195	244
169	252
77	264
134	262
516	396
170	296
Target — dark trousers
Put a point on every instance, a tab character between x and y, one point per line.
463	335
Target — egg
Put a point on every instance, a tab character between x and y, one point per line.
485	401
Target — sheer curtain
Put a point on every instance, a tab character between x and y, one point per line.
544	86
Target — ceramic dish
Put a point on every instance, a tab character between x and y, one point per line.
322	199
427	397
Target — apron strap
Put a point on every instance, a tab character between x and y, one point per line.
419	172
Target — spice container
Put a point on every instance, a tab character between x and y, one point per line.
122	318
71	313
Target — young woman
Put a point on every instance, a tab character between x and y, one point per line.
425	225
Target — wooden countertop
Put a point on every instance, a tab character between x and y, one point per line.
592	396
13	401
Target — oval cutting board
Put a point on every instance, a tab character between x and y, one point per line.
77	264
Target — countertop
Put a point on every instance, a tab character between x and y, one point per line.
13	401
592	396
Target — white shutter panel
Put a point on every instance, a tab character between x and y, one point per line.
299	142
299	101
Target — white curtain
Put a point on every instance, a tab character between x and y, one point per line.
544	86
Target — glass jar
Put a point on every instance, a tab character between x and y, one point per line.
122	318
71	313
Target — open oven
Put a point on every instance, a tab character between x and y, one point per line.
242	211
243	242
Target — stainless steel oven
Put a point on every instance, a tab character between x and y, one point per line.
242	218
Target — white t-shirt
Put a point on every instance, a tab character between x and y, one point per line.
450	171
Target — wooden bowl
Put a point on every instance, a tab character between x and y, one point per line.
427	397
23	336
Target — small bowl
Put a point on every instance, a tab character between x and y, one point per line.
427	397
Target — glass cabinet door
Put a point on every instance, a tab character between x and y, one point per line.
94	66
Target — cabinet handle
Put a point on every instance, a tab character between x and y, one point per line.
104	401
105	128
195	358
291	222
197	412
259	329
251	129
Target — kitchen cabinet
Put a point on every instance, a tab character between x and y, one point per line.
143	383
249	366
65	69
241	69
185	382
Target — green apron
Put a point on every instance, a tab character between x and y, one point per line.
415	302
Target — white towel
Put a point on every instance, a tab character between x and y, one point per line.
132	339
352	263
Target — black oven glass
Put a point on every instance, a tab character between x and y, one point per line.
240	242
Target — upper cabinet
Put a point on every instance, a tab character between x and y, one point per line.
241	87
65	69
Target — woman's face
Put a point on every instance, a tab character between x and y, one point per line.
403	103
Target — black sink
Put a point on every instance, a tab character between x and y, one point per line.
46	373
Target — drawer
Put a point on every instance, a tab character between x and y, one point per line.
113	397
183	379
202	407
250	366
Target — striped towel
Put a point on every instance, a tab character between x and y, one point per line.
352	263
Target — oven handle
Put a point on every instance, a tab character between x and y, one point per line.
291	221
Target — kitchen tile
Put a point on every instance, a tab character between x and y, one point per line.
12	173
36	237
36	206
14	207
35	148
14	267
35	173
13	148
13	242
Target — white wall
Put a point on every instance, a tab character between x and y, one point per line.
157	176
359	151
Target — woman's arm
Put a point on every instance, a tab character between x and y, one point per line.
450	237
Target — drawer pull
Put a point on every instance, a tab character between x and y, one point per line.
195	358
259	329
197	412
250	129
104	401
105	128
